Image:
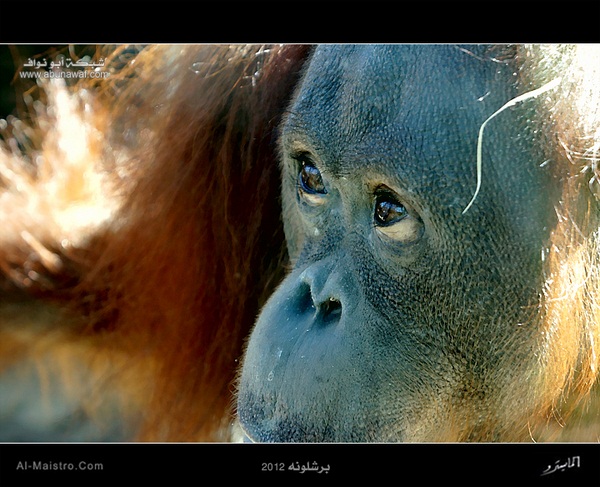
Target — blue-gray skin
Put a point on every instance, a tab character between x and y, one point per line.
404	319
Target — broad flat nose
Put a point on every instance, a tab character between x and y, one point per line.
324	288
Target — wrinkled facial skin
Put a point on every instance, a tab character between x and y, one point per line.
402	319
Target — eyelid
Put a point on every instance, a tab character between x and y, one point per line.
406	231
303	157
384	190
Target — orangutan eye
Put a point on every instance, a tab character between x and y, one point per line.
310	182
388	211
393	219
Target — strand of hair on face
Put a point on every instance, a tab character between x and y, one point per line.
525	96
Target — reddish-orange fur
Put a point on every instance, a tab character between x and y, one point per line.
170	287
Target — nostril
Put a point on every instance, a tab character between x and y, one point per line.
305	299
330	310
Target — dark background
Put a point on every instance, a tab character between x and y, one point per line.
33	28
11	57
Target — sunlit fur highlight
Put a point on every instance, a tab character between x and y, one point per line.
570	305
